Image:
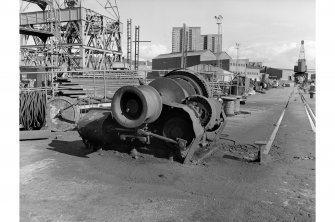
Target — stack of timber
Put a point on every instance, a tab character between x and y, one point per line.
112	85
69	89
82	87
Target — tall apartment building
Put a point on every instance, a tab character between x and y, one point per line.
193	38
212	42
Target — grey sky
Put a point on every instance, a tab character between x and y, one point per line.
269	31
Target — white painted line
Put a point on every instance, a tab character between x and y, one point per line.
310	111
310	120
274	133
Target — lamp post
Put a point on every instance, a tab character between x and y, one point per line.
219	41
237	79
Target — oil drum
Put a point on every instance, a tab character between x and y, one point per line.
229	105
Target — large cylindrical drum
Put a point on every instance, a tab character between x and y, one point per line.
169	89
133	106
229	105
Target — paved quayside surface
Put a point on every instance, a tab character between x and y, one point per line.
61	181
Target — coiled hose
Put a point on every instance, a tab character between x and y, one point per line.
32	109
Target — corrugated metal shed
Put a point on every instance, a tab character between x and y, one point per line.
208	71
203	53
223	55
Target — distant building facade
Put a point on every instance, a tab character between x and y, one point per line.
223	58
238	66
193	38
212	73
211	42
195	41
172	61
279	74
253	70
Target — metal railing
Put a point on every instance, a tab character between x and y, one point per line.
95	83
104	83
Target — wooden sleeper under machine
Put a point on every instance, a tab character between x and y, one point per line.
174	114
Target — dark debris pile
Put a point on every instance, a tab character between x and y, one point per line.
246	152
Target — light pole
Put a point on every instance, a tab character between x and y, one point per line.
219	41
237	76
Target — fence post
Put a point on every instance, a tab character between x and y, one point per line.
94	84
145	76
52	83
105	91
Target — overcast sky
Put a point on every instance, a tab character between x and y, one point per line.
269	31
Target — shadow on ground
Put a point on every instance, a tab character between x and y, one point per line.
73	148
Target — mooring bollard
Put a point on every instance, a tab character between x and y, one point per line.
311	95
261	145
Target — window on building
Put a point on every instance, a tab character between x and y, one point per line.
180	39
190	39
205	42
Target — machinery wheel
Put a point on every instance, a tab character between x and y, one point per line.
202	107
177	127
62	114
198	82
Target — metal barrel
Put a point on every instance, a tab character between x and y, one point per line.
133	106
229	105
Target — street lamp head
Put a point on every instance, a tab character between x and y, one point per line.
218	19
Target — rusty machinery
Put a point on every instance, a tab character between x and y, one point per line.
174	113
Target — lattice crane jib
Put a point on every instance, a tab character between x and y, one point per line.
129	41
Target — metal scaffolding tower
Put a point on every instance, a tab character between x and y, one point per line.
129	42
71	37
137	46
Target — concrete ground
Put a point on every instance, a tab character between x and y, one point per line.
61	181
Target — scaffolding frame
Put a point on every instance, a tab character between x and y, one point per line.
129	42
78	38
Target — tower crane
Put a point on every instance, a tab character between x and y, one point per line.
300	70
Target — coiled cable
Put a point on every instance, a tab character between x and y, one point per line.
32	109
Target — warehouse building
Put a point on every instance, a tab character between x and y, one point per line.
253	70
213	73
279	74
223	58
172	61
